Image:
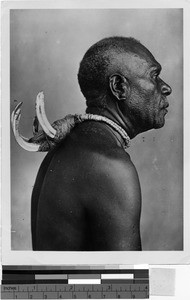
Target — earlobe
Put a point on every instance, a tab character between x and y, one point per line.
119	86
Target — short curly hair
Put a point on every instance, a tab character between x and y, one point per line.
97	62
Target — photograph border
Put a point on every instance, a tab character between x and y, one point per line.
12	257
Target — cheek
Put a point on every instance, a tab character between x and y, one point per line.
142	93
145	85
147	94
144	89
143	104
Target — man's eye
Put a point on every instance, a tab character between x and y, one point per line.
155	75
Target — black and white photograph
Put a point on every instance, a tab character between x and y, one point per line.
96	130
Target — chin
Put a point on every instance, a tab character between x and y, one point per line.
159	123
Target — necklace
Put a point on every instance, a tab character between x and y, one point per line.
119	129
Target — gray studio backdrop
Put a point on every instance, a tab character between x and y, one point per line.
46	49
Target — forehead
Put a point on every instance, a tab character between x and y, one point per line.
140	63
133	63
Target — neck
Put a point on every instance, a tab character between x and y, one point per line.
114	114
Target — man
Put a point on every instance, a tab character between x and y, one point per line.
87	194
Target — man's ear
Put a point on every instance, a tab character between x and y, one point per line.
119	86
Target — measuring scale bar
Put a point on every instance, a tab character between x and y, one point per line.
75	284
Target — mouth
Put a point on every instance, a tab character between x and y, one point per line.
165	106
165	110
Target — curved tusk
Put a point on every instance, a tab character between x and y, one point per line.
15	112
23	142
12	118
40	112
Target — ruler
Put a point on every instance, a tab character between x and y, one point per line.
58	283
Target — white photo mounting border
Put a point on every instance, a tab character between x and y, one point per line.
10	254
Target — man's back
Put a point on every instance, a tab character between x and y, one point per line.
87	194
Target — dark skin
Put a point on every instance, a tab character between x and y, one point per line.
87	194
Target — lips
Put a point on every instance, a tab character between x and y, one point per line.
165	105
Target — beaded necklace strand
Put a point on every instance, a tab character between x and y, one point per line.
119	129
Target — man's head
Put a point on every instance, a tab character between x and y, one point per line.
123	71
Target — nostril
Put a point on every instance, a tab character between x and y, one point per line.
166	90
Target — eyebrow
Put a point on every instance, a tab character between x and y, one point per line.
156	67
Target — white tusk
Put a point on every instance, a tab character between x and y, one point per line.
40	112
24	138
15	111
15	119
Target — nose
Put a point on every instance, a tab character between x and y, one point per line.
166	89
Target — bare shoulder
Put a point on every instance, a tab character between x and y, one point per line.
117	168
112	201
96	193
115	178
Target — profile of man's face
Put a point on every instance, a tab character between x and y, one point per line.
147	103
